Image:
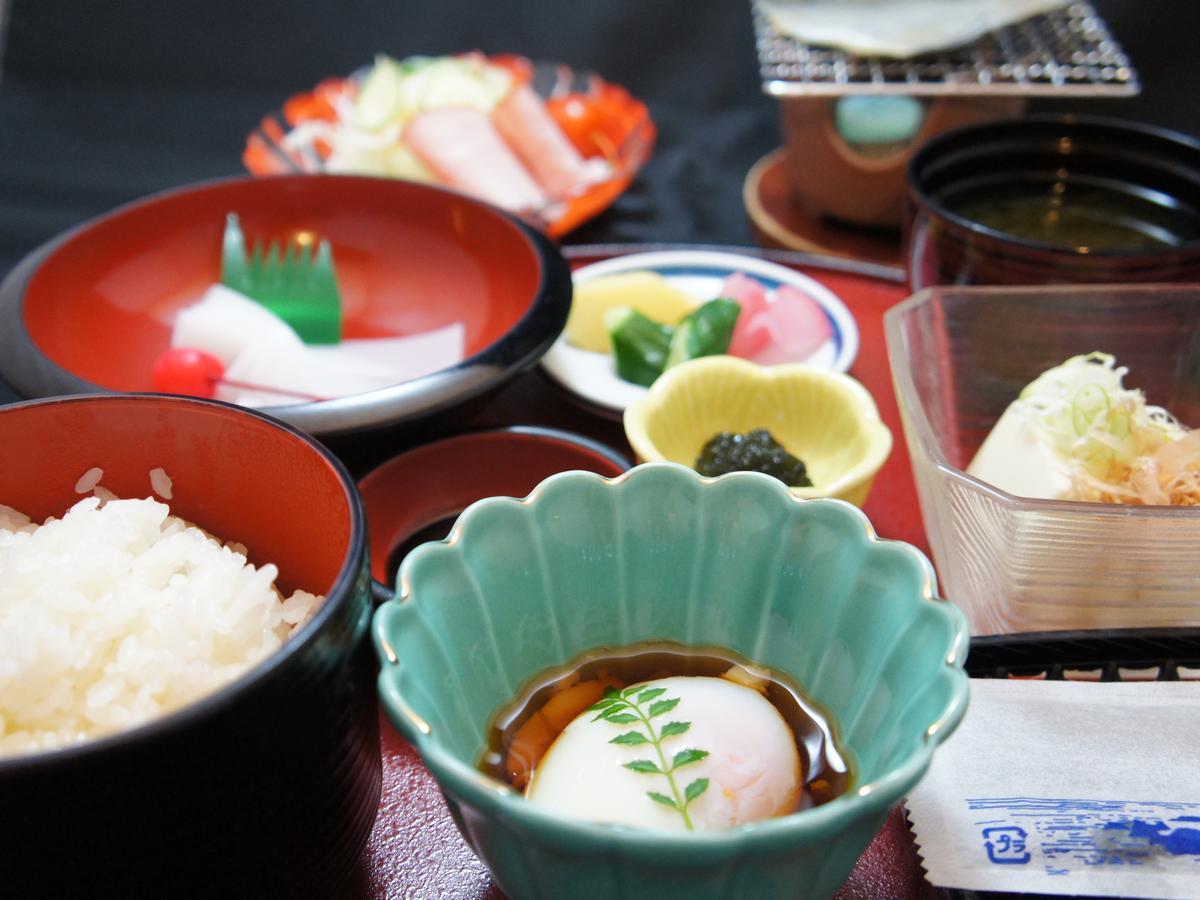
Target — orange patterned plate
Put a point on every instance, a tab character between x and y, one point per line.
601	120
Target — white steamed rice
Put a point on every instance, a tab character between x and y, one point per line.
160	483
120	612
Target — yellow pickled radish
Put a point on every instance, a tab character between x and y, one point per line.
647	292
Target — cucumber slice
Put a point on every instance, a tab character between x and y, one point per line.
639	344
706	331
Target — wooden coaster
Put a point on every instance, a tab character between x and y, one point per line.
780	222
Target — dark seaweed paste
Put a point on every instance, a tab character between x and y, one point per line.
754	451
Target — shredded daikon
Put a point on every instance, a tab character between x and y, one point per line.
1116	448
366	135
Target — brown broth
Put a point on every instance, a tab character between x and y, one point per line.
1078	217
827	772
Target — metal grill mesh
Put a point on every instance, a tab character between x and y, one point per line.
1068	52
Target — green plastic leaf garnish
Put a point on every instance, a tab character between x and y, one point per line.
627	707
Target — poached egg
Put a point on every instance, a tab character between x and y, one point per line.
753	766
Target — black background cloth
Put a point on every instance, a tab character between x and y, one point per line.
103	101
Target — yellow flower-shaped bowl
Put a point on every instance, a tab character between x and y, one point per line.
827	419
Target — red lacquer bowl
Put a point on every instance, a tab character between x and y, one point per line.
415	496
267	787
600	118
92	309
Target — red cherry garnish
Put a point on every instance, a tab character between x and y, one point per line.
182	370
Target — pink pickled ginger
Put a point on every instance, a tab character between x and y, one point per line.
751	296
789	327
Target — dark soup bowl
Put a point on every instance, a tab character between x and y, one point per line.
1054	200
265	787
416	496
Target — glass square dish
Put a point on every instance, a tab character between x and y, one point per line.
959	356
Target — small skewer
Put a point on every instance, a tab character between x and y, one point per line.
182	370
268	389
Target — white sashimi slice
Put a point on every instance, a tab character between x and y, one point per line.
224	323
467	152
298	370
540	144
258	348
352	367
408	357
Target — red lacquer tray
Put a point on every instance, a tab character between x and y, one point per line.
415	850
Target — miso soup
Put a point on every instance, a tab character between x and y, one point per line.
1064	214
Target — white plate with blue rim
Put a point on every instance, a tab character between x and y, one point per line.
591	378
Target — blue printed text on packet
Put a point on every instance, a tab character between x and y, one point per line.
1069	788
1059	835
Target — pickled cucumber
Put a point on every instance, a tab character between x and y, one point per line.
647	292
706	331
639	344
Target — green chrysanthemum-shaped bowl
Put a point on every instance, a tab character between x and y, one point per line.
800	586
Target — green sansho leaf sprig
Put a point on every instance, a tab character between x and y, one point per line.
641	704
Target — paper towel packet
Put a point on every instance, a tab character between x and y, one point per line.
1067	788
